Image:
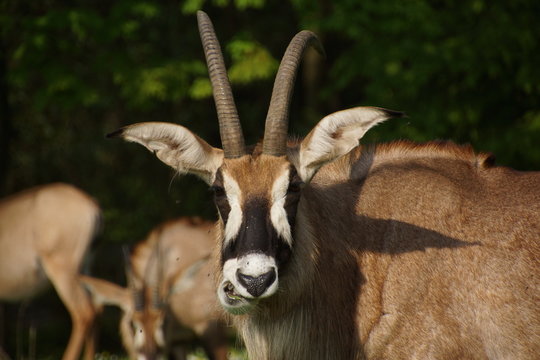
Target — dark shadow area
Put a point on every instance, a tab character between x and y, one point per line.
39	328
343	240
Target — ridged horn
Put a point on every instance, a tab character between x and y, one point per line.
229	124
277	119
138	298
157	277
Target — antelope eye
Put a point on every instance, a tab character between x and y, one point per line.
218	191
295	182
295	186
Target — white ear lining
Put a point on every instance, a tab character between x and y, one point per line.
177	147
337	134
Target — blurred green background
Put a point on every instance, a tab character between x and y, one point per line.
72	71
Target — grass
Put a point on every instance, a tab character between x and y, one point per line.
196	355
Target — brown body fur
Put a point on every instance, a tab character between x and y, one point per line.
408	251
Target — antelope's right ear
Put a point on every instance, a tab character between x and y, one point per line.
176	146
104	292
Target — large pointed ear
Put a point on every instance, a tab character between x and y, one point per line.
335	135
104	292
176	146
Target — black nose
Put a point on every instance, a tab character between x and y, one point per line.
256	285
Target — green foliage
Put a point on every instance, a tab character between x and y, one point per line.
191	6
201	88
251	62
108	356
169	81
459	69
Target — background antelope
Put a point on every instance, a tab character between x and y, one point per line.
44	236
330	250
170	294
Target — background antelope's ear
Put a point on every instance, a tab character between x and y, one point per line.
104	292
337	134
176	146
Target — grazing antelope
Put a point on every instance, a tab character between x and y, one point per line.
332	250
170	293
44	235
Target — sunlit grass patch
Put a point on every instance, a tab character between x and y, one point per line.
234	354
198	354
109	356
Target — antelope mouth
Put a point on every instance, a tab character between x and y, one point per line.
247	280
230	292
232	301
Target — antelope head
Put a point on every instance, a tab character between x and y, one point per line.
257	193
141	326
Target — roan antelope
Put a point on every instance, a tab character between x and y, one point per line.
170	294
331	250
44	235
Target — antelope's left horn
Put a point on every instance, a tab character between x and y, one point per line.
277	120
138	297
155	278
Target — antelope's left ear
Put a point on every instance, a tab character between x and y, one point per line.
337	134
176	146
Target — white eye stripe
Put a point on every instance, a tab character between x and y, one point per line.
234	220
139	336
159	336
278	215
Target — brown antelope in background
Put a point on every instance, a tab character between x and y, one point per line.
331	250
170	294
44	235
